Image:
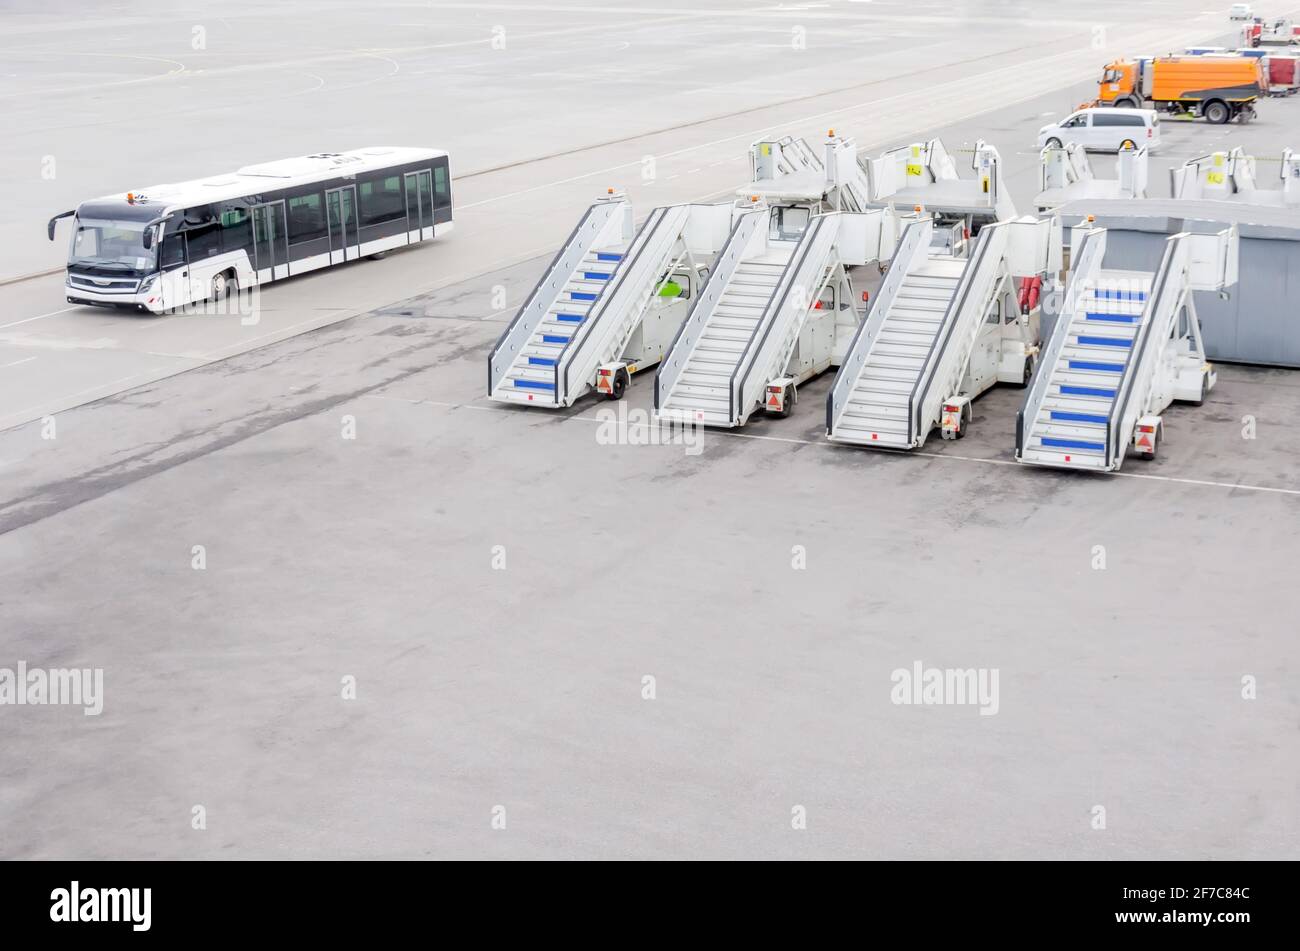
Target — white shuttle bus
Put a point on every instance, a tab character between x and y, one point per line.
172	245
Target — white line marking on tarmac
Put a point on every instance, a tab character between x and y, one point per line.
180	68
1210	483
27	320
16	363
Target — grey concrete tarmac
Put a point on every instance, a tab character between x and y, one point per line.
522	686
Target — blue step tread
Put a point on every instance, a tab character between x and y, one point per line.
595	276
608	256
534	385
1106	342
1114	318
581	295
554	338
1078	417
1111	294
569	318
1100	367
1067	390
541	361
1055	443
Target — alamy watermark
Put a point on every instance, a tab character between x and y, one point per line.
56	686
78	903
946	686
230	301
636	427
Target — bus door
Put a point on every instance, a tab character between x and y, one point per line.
419	205
342	206
270	242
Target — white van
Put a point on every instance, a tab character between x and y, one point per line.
1240	11
1106	129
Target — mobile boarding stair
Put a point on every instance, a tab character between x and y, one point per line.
1065	175
768	317
599	313
834	182
1126	345
910	365
925	174
1231	176
775	158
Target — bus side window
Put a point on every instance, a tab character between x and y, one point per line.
202	232
173	251
441	187
306	217
426	194
204	241
381	199
236	227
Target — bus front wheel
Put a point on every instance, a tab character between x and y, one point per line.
224	285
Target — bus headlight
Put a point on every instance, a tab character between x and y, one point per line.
148	283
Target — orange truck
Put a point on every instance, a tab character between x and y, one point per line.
1219	88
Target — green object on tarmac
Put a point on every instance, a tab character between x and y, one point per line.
670	289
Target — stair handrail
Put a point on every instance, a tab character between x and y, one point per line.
632	272
1085	263
1078	159
811	160
548	288
815	244
858	188
942	167
914	243
971	291
688	334
1161	308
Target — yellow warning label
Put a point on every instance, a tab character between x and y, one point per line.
916	151
1218	158
767	148
913	168
1214	178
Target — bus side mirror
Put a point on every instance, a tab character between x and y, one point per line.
49	229
149	230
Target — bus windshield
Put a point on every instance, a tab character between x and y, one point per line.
111	246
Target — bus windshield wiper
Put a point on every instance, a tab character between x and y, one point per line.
108	265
